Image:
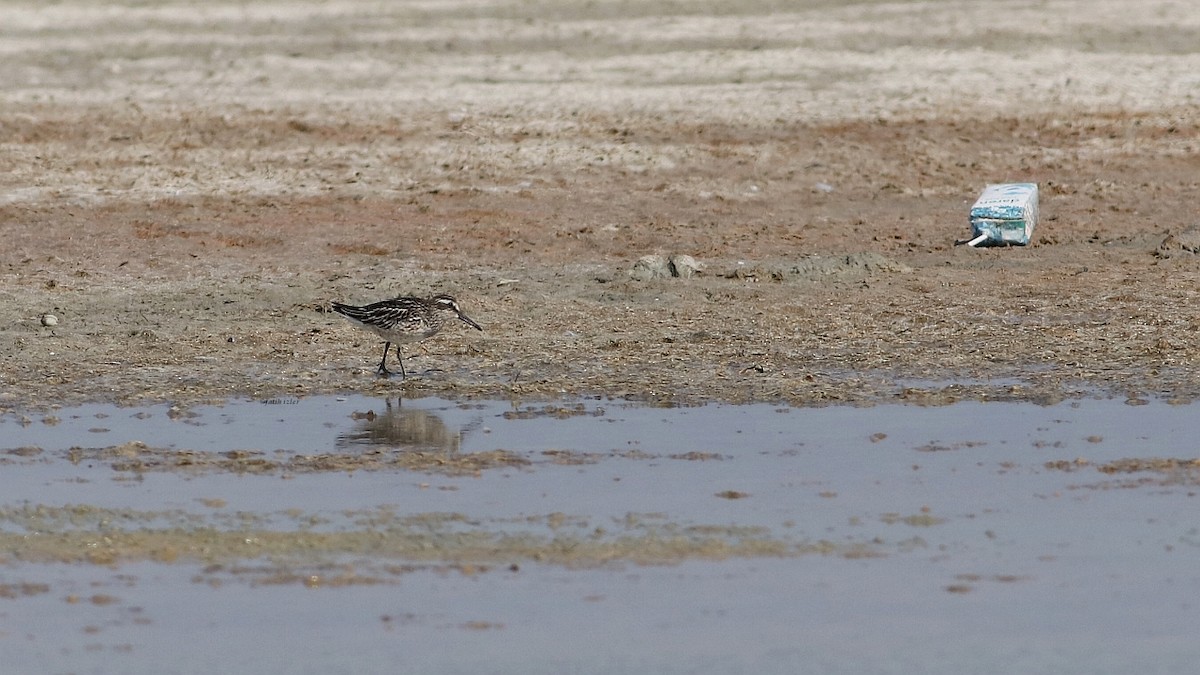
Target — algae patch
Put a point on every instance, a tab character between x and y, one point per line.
378	538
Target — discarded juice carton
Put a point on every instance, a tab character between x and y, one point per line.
1004	215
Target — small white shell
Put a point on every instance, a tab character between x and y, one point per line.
49	320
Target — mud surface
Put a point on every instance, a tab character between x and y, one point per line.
186	188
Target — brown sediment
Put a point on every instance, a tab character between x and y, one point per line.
189	243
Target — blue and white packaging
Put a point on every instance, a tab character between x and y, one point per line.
1004	215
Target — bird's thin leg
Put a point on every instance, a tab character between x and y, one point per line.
383	371
403	375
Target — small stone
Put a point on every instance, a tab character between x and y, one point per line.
49	320
651	267
1186	242
684	266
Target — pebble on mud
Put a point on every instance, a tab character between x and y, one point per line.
684	266
656	266
1183	243
49	320
651	267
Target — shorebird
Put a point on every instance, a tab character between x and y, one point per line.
402	320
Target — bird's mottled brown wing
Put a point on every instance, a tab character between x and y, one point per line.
387	314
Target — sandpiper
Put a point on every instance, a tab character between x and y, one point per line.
402	320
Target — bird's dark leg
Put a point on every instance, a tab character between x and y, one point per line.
403	375
382	370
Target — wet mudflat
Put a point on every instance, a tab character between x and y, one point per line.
357	534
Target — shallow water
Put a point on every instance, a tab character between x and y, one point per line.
610	537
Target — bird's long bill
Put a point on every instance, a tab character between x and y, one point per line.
469	321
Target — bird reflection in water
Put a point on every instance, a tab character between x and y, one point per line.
401	428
